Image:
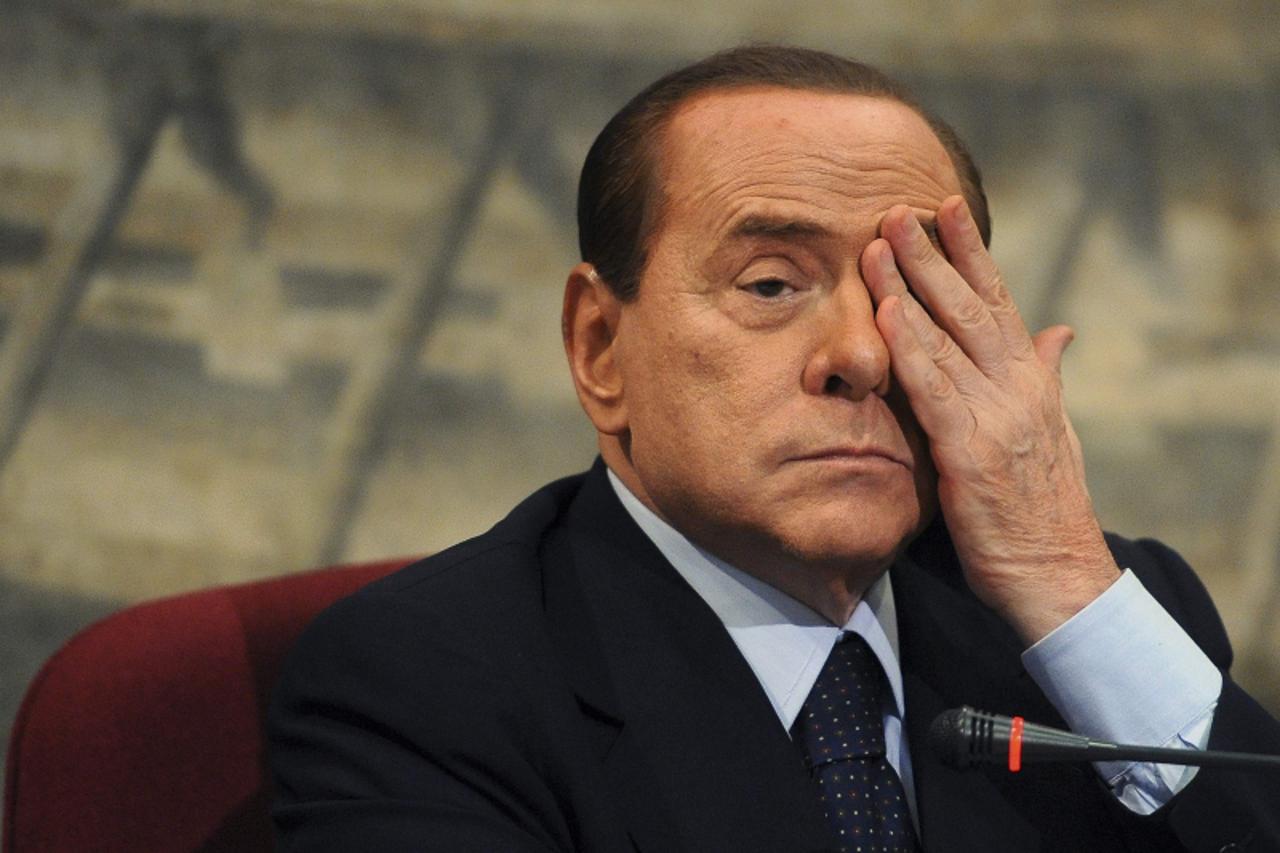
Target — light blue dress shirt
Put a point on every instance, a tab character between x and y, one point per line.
1121	652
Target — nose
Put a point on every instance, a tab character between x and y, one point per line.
850	358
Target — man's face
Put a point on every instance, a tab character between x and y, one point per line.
761	416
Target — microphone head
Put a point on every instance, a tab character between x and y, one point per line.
950	737
964	737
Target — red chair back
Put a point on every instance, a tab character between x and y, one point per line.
145	731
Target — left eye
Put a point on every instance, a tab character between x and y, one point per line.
769	288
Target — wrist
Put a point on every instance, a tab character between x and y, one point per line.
1054	593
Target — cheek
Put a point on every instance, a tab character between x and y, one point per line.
737	387
700	402
926	483
925	476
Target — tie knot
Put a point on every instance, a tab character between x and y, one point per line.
843	716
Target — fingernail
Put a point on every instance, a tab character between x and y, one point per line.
895	310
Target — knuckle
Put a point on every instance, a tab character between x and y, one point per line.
998	295
923	253
937	339
941	347
937	385
971	313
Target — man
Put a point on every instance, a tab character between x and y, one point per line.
830	450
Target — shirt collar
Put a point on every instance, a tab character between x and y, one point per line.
784	642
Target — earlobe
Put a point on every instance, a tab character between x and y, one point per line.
589	324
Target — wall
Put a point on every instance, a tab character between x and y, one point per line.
280	284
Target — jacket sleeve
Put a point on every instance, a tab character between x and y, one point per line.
1220	808
356	731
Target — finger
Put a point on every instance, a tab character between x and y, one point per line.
962	241
1051	343
933	396
884	280
880	271
939	347
950	299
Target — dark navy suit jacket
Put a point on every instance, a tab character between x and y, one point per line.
555	685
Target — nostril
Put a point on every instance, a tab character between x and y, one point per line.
832	385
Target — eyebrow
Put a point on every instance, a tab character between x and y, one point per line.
765	226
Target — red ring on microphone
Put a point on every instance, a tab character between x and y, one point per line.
1015	745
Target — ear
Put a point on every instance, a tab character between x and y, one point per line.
589	324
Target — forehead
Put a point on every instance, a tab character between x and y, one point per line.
835	155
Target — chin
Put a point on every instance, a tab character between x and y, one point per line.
852	538
878	552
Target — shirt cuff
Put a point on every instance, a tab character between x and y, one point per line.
1123	670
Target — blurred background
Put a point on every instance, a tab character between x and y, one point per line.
280	280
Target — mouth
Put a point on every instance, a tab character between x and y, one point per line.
848	454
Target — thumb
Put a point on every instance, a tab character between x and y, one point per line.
1051	343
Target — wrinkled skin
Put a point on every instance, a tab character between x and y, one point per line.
769	390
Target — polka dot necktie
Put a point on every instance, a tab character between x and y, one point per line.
840	731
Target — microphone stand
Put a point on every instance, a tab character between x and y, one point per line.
964	737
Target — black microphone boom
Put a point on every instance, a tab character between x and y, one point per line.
964	737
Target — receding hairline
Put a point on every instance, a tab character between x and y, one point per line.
656	155
618	197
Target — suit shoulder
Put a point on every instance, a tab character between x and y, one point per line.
489	586
492	565
1162	570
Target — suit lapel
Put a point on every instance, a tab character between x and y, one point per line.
696	754
692	754
956	652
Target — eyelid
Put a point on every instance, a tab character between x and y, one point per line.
768	265
800	269
760	288
786	281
